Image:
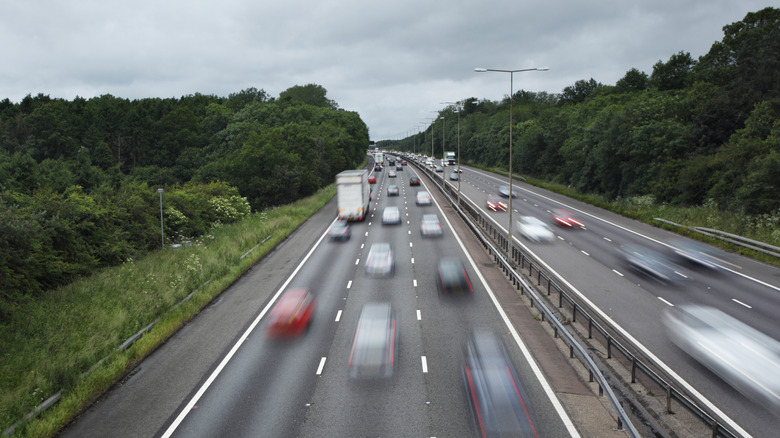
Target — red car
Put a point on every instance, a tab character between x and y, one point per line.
495	203
414	181
292	314
566	219
372	179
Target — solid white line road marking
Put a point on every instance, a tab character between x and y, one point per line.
338	316
322	365
213	376
424	364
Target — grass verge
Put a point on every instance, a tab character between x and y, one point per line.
53	340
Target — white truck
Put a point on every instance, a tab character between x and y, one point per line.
379	158
450	159
353	194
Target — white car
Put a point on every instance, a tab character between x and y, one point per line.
423	198
391	215
430	226
534	229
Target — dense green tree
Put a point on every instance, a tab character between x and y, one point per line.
310	94
580	91
634	80
674	74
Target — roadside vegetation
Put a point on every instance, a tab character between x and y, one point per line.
79	179
697	140
50	342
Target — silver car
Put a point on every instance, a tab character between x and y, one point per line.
380	261
423	198
744	357
430	226
391	216
534	229
374	348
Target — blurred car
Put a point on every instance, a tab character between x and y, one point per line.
698	253
339	231
566	219
452	278
399	167
423	198
380	261
495	203
391	216
453	176
403	162
414	181
495	395
649	262
372	179
392	190
534	229
742	356
504	192
439	169
374	348
391	174
377	168
292	314
430	226
457	169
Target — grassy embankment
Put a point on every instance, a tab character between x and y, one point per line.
52	340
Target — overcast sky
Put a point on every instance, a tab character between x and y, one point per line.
392	61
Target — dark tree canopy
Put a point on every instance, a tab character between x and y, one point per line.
79	179
695	131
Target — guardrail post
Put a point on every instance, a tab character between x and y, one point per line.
609	347
590	375
571	354
574	313
590	328
633	370
560	299
668	399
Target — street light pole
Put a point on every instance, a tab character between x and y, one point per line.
457	105
511	91
162	233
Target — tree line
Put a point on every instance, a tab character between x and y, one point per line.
693	131
79	179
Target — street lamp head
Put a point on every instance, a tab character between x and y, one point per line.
480	69
542	68
159	190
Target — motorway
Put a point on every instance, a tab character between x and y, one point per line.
222	376
589	261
